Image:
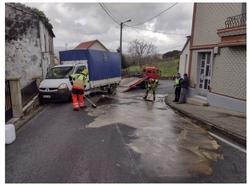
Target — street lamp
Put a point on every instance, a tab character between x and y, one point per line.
121	24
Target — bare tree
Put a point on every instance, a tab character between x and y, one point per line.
140	51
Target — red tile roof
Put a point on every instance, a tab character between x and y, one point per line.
86	45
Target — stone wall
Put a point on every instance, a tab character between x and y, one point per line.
24	56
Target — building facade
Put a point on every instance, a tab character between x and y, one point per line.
29	49
184	58
217	61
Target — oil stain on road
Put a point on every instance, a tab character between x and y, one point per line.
169	146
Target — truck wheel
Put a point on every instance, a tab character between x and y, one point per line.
112	90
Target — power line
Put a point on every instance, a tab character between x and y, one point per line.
108	13
166	33
155	15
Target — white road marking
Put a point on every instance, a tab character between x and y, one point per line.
228	142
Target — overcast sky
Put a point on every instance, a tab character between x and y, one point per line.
78	22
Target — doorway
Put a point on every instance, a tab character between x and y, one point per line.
204	77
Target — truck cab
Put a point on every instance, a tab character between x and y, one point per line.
151	72
56	86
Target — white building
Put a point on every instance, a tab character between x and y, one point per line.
217	65
29	43
184	58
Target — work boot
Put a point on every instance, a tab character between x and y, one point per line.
83	106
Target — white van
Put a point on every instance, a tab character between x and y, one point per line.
56	86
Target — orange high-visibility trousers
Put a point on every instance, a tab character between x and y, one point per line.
81	100
75	101
77	98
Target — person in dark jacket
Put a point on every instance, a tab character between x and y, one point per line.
177	86
184	89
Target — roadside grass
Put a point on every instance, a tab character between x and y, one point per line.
168	68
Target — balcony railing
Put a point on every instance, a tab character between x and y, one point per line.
236	21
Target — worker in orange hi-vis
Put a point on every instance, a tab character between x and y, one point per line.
78	82
151	85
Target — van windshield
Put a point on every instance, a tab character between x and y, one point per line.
59	72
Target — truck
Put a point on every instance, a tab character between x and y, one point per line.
104	69
151	72
140	81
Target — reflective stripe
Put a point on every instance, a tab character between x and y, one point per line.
79	80
177	81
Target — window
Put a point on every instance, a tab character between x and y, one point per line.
80	69
59	72
185	67
203	63
45	44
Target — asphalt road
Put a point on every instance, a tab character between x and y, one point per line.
125	139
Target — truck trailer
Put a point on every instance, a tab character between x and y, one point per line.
104	73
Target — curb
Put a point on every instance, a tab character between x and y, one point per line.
209	125
29	112
22	121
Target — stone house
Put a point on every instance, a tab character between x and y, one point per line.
29	49
217	60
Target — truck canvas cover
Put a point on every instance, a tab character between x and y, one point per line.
101	64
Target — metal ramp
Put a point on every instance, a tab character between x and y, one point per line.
128	84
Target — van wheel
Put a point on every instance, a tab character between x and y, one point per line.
69	98
41	101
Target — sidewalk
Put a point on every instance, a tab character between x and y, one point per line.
229	123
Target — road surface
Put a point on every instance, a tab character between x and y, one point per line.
125	139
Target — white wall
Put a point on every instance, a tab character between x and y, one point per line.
98	46
184	60
22	49
24	46
209	18
45	45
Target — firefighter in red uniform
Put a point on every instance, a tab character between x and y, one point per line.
78	82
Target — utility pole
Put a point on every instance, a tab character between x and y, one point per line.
121	26
121	37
